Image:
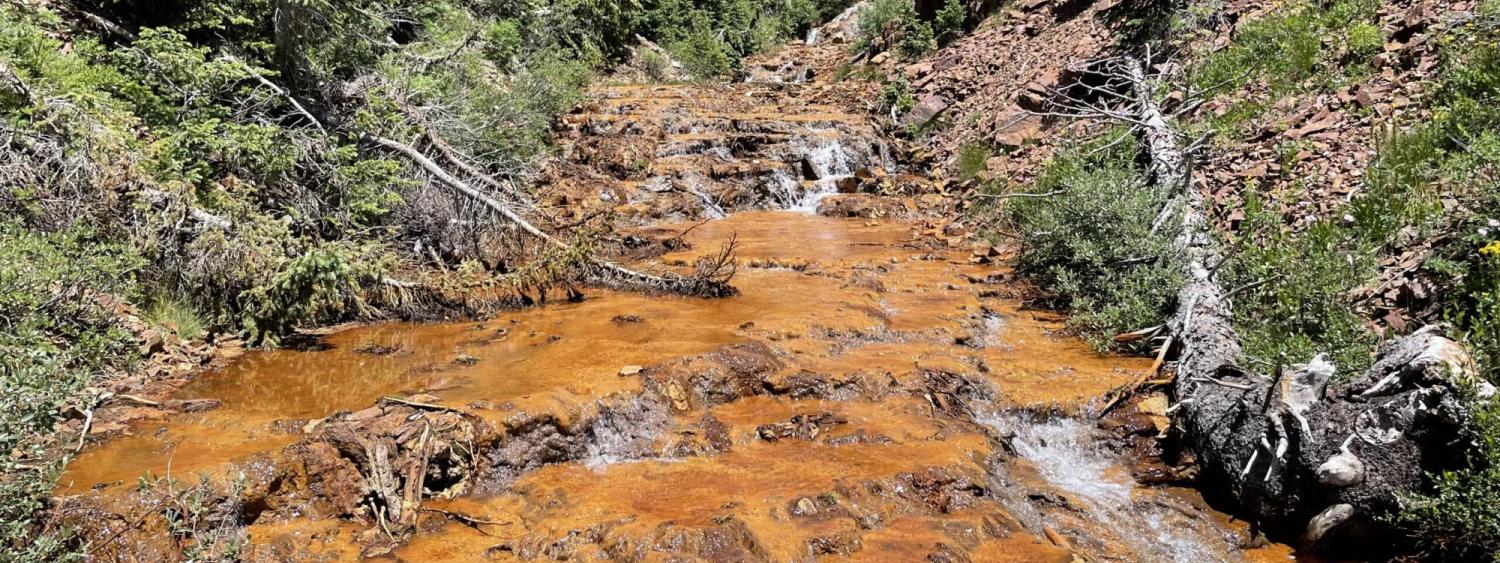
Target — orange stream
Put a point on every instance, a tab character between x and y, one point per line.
857	298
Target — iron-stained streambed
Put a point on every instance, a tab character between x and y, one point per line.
876	391
871	394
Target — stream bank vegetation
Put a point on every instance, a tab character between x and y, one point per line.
1432	189
1095	237
237	169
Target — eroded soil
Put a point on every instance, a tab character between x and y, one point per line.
876	391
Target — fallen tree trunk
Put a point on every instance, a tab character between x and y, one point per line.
706	283
1291	452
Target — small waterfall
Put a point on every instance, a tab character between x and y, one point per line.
711	208
1066	454
810	199
826	160
830	158
784	190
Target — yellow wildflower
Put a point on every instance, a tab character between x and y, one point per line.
1491	249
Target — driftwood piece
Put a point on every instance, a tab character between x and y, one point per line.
602	271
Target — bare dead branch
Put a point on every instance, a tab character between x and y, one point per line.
1022	195
279	91
605	271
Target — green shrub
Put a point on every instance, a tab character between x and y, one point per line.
57	333
656	66
917	41
325	284
711	36
703	55
950	21
881	20
894	24
1088	238
973	158
896	97
1364	40
1295	303
503	42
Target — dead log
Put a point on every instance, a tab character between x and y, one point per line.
1294	455
711	284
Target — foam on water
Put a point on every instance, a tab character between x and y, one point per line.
830	158
809	201
711	208
830	162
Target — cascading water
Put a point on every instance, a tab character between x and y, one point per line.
784	190
830	162
1066	453
830	158
711	208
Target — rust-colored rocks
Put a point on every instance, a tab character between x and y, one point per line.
868	206
992	103
800	427
926	110
703	381
700	151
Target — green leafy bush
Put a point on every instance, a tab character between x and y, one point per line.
896	97
711	36
503	42
1087	236
1364	40
949	24
1294	303
1285	47
56	335
317	287
917	41
702	53
881	21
